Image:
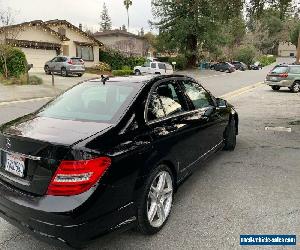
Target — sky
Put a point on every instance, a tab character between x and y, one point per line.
86	12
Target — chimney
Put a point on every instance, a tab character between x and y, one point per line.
80	26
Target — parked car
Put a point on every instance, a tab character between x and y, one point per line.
239	65
159	68
109	154
224	67
65	66
256	66
284	76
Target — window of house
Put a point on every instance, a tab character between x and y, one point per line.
85	52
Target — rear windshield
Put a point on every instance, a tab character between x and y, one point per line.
92	101
76	60
279	70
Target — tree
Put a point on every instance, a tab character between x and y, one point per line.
192	26
105	23
127	4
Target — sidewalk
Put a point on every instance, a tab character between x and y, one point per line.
16	92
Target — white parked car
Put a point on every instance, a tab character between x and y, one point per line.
159	68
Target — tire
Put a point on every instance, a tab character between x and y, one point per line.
80	75
275	88
157	73
47	70
64	72
137	72
296	87
230	136
160	201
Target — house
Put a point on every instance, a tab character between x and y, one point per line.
41	41
287	49
123	41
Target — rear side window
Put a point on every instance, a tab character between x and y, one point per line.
91	102
279	70
153	65
295	70
161	66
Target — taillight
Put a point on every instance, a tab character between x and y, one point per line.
82	62
76	177
284	75
70	61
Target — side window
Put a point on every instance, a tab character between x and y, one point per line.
54	59
147	64
198	96
153	65
161	66
295	70
165	102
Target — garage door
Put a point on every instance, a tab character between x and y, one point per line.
38	57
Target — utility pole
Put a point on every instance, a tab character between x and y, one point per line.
298	50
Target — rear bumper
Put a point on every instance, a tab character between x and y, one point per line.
76	71
283	83
65	228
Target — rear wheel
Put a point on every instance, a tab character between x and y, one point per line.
296	87
64	72
276	88
137	72
230	136
80	75
155	204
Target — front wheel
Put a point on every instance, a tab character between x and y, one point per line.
230	136
155	204
275	88
137	72
47	70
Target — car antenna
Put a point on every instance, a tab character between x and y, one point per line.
104	79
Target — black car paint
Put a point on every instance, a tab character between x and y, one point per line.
135	146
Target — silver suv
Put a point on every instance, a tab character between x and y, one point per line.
65	66
284	76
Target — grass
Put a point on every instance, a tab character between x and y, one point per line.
22	80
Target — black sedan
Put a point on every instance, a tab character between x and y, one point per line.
239	65
224	67
107	155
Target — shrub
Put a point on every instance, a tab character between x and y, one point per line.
122	72
117	60
266	59
22	80
246	54
102	66
16	62
126	68
181	62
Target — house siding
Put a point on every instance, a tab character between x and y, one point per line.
285	49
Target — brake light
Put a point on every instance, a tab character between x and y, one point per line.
284	75
76	177
70	61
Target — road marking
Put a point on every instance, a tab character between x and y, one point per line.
279	129
25	100
242	90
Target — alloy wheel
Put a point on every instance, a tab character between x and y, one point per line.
160	199
296	87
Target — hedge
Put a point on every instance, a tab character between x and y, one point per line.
266	59
118	61
122	72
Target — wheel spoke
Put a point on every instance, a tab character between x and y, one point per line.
152	194
161	212
152	211
161	182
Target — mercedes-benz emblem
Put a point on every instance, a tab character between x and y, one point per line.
8	143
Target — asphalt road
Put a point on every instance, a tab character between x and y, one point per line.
253	190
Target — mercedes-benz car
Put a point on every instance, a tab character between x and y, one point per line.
109	154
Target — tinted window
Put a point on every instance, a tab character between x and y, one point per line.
161	66
295	70
153	65
198	96
279	70
92	102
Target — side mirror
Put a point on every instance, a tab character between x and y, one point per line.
221	103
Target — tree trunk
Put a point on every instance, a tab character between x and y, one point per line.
191	49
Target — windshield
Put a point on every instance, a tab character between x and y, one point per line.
92	101
279	70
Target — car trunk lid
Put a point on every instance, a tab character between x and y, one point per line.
31	150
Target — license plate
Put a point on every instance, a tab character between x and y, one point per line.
15	165
273	78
